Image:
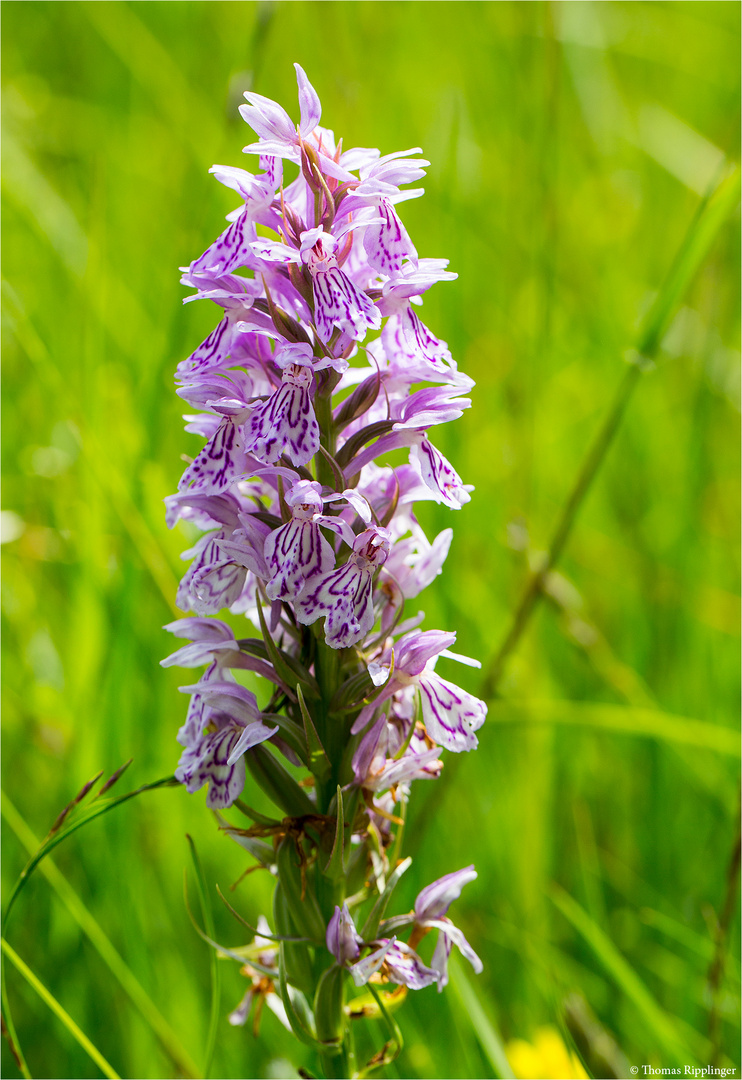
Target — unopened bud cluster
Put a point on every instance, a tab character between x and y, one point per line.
320	368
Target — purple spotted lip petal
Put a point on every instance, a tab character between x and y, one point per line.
439	475
387	243
217	758
217	587
220	462
206	554
337	302
296	554
345	598
230	251
345	595
405	333
286	423
211	353
400	963
450	714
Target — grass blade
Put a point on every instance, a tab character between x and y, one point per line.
487	1035
208	918
703	229
56	1008
51	842
656	1020
106	950
9	1033
621	719
712	212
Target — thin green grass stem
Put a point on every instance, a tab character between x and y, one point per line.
102	943
534	588
708	219
716	970
9	1032
208	918
56	838
482	1026
57	1009
657	1022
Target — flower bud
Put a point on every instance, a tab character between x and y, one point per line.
359	402
329	1014
300	899
342	940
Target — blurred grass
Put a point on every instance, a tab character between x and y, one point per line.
571	143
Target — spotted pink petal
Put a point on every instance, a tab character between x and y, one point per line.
296	553
439	475
217	587
309	103
387	243
451	715
230	250
220	462
345	598
211	353
285	424
337	302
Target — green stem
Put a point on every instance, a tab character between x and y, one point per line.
337	1066
323	412
534	588
710	215
716	971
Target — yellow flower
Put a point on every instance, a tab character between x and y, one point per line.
546	1059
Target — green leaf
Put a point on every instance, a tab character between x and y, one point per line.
287	669
208	918
319	763
290	732
357	403
352	693
371	925
297	1025
336	867
253	815
78	1035
277	783
303	906
337	472
357	441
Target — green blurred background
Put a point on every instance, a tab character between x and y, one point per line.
571	144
